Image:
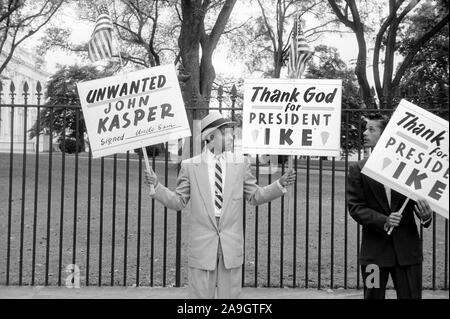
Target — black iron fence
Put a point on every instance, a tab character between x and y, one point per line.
67	217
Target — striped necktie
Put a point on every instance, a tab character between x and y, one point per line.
218	184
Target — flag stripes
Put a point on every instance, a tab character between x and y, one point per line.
100	44
299	52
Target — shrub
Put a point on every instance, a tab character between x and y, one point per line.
69	145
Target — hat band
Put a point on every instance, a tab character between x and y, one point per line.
214	123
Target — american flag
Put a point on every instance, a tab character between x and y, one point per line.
100	44
299	52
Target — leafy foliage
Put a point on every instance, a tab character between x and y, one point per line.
61	93
19	20
430	67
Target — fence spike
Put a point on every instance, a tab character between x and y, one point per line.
1	87
25	87
12	87
233	92
220	93
38	87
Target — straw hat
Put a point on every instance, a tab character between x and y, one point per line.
213	121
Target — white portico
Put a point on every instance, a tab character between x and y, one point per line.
21	68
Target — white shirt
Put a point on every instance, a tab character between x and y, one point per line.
211	162
388	194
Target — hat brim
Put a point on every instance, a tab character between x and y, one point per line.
208	131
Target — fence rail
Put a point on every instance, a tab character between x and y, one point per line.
65	214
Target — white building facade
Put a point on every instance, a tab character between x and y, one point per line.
20	70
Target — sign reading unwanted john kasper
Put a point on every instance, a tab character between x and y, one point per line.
292	117
411	156
133	110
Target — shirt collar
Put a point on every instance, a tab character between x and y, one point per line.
210	156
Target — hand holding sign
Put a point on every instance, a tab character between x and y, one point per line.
150	177
423	210
151	180
395	218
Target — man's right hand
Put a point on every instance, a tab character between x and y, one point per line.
150	178
393	220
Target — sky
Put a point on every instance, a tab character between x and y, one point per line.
345	43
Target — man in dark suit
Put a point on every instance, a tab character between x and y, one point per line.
375	207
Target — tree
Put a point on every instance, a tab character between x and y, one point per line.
146	36
19	20
145	31
61	90
193	37
262	42
348	13
275	25
429	70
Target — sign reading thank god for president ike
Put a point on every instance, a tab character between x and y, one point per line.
133	110
292	117
411	156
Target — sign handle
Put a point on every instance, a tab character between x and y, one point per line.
400	211
147	164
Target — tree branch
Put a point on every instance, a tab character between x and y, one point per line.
221	22
390	46
237	27
416	47
340	15
376	53
268	26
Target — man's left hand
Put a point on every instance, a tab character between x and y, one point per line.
423	209
288	178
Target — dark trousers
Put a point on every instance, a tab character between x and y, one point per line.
407	281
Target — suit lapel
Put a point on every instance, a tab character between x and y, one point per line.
230	178
202	178
378	191
397	200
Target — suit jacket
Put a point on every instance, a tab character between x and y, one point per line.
204	233
368	205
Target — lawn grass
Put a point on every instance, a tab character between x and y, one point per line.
269	255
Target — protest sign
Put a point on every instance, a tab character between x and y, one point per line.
411	156
292	117
133	110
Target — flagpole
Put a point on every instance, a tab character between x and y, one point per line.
290	193
295	70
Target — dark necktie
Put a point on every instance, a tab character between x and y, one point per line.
218	184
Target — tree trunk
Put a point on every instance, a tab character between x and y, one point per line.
198	88
207	75
277	65
189	43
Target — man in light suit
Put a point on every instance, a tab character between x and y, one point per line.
375	207
216	182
